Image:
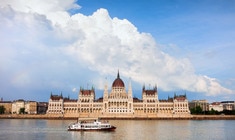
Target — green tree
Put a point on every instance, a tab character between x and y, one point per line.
2	109
213	112
22	110
193	110
196	110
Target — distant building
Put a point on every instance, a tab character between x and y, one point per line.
119	103
180	105
70	105
17	105
216	106
56	104
228	105
202	103
42	107
30	107
7	105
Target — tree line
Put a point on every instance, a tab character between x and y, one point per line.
2	109
198	111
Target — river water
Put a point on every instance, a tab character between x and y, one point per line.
30	129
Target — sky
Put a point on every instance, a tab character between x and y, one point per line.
60	46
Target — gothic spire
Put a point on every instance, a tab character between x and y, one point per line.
143	87
118	76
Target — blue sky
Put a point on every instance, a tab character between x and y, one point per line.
59	46
194	29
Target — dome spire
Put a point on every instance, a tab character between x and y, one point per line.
118	76
118	81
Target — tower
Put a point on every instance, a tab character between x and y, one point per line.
130	98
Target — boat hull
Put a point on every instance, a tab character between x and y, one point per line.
101	129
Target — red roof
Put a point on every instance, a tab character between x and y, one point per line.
86	92
118	82
181	98
56	97
215	103
137	100
99	100
69	100
150	92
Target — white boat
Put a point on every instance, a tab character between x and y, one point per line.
91	125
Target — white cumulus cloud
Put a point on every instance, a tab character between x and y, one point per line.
42	41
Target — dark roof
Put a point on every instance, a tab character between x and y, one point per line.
69	100
215	103
87	92
99	100
5	102
150	92
118	82
56	97
180	97
19	100
137	100
42	103
168	100
227	102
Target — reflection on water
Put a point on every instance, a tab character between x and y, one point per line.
21	129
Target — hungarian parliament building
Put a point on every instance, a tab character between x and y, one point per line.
119	103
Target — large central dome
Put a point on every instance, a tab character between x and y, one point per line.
118	82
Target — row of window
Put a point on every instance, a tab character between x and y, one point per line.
181	111
54	111
119	111
55	104
181	105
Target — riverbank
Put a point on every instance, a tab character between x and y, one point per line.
213	117
59	117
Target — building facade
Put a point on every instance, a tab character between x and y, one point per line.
119	102
228	105
56	104
42	107
7	105
29	107
202	103
216	106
